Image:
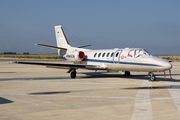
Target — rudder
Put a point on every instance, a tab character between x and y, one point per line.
61	40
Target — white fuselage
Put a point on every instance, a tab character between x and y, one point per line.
134	59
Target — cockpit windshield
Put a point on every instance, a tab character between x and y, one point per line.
141	52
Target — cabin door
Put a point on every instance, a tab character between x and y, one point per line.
116	57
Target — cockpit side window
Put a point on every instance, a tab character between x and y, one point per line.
138	52
141	52
131	53
147	53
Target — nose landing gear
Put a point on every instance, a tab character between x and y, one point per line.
152	76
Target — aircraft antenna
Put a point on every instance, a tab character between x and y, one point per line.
78	39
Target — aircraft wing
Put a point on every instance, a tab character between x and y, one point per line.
62	65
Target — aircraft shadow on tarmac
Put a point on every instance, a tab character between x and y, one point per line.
7	72
102	75
63	92
155	87
52	92
130	88
141	77
74	91
5	101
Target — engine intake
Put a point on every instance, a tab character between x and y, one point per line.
75	56
81	55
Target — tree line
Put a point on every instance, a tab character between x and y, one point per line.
14	53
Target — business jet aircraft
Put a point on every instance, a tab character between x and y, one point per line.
127	59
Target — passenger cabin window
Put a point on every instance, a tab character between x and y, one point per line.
99	55
117	54
112	54
103	54
107	54
95	54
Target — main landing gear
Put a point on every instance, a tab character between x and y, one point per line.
152	76
127	73
73	74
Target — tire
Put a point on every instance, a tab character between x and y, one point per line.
127	73
152	77
73	75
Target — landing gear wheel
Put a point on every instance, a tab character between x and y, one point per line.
152	77
73	74
127	73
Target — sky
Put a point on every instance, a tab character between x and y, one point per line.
105	24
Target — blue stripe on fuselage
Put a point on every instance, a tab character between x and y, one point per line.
138	64
95	60
129	63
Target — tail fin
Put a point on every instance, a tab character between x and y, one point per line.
60	37
61	40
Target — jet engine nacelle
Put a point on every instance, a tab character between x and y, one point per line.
75	56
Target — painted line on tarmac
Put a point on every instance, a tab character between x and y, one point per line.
142	107
175	94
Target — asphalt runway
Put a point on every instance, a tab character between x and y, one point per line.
29	92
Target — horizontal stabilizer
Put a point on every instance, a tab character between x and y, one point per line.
53	47
84	46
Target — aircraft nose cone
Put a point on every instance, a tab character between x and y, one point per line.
163	64
167	65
